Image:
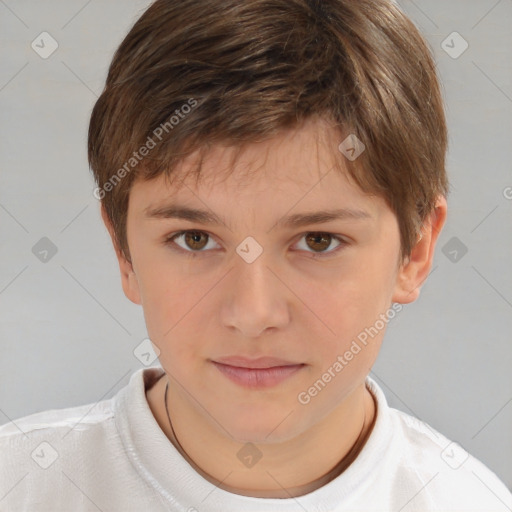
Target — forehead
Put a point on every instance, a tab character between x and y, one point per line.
301	168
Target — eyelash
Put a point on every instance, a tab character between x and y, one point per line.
169	241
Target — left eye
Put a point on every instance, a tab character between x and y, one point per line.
322	241
197	241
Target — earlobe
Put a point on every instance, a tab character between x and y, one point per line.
414	271
129	280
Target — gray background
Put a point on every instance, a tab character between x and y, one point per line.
68	333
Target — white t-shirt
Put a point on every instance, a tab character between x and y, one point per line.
113	456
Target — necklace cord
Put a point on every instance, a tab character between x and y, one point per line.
355	447
169	418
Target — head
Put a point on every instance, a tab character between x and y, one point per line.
248	110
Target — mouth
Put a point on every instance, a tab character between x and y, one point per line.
257	364
258	378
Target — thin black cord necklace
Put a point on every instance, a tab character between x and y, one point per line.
169	418
335	470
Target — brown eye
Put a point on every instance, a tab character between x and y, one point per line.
191	242
319	241
195	240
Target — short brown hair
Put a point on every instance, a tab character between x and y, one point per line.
239	71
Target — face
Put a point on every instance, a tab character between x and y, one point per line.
256	284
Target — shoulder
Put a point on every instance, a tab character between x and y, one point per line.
77	428
56	420
74	458
45	456
50	438
420	469
40	435
451	477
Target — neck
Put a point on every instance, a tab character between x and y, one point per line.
288	469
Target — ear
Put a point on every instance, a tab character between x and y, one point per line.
415	269
128	276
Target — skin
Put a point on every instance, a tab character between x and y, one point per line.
284	304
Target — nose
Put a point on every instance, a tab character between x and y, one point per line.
255	298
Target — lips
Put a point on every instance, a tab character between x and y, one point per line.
259	363
257	373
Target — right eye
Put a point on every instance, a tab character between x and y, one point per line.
193	241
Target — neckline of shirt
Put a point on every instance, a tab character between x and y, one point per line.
162	466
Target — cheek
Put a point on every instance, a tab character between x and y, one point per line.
177	315
167	300
351	308
345	351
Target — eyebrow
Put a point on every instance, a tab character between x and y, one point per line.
291	221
